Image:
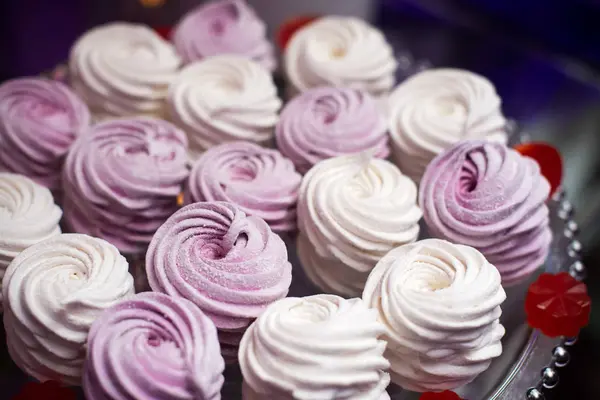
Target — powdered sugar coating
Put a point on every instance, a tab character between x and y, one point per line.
230	265
121	180
223	27
326	122
39	121
153	347
260	181
490	197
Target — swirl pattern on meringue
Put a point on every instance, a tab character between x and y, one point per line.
327	122
259	181
223	99
122	70
28	215
223	27
490	197
39	121
230	265
53	291
440	304
315	347
435	109
153	347
342	52
121	181
352	210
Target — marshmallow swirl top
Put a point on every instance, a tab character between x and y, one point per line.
28	215
230	265
39	121
327	122
316	347
121	181
342	52
489	196
53	291
435	109
257	180
352	210
122	69
153	347
222	99
440	304
223	27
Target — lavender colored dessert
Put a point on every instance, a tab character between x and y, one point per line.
488	196
230	265
121	181
259	181
153	347
223	27
328	122
39	121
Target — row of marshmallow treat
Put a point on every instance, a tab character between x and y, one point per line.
137	134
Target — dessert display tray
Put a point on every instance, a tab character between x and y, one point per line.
530	364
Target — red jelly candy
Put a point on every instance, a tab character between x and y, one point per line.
445	395
163	31
549	160
288	28
49	390
558	305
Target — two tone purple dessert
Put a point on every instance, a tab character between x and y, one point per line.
488	196
39	121
230	265
259	181
327	122
122	180
223	27
153	347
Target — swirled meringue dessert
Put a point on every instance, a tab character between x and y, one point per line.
53	291
39	121
223	99
341	52
259	181
153	347
28	215
326	122
315	347
352	210
490	197
230	265
122	70
121	181
223	27
440	304
434	109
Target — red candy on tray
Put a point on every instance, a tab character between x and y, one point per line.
548	158
445	395
558	305
288	28
49	390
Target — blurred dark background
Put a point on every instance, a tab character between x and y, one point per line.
542	55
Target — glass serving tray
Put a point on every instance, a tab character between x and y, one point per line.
530	362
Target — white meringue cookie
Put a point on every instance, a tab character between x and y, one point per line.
53	291
342	52
28	215
222	99
434	109
352	210
440	304
317	347
122	69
